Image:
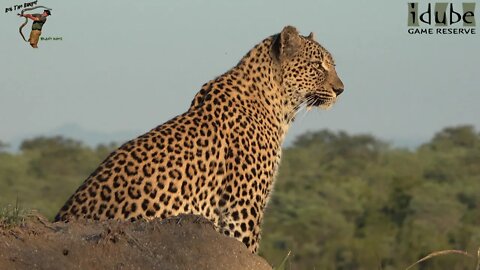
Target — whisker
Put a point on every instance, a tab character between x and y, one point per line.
299	106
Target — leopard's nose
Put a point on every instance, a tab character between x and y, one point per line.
338	91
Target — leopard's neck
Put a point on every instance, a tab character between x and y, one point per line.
253	86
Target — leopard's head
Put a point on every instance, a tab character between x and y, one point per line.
307	70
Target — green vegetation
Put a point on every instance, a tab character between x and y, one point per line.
12	215
340	202
353	202
46	172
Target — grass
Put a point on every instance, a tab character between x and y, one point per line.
447	252
12	215
283	265
478	259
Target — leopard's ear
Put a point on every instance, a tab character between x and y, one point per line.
311	36
287	43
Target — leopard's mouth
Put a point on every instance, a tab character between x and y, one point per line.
319	100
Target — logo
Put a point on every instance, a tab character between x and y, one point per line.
441	18
38	16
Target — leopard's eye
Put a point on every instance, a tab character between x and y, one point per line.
316	64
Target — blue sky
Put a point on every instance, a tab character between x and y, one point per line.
124	67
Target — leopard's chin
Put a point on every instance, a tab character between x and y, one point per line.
328	104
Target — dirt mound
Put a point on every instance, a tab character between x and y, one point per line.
184	242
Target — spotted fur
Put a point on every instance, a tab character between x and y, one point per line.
218	159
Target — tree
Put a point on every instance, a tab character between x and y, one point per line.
461	136
49	144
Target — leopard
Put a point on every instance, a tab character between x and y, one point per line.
219	159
